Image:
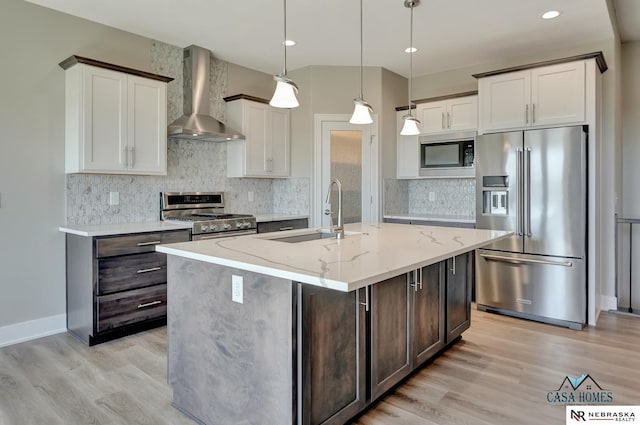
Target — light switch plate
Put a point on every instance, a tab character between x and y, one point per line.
114	198
236	289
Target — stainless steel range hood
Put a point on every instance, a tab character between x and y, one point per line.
197	122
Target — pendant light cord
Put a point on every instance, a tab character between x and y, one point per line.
361	95
284	42
410	57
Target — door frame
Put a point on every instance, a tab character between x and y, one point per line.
371	158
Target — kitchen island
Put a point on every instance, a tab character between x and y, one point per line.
299	328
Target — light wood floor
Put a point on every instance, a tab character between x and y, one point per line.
499	373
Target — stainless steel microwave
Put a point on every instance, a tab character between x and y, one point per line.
447	155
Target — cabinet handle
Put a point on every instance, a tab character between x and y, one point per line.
126	157
443	126
156	302
453	265
133	156
419	277
153	269
448	120
533	113
149	243
366	299
526	114
286	228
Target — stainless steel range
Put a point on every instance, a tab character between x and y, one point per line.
205	210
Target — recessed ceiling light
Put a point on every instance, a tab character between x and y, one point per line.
410	50
289	43
551	14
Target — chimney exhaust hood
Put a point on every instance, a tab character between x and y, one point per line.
197	122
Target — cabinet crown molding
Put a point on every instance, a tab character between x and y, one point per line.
75	59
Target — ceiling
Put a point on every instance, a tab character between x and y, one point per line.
449	34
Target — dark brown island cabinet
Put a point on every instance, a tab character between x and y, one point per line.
357	346
117	285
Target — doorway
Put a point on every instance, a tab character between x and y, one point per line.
349	153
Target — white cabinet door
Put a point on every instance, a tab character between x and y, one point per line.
147	122
462	113
278	158
432	116
115	123
558	94
265	150
103	141
455	114
504	101
407	160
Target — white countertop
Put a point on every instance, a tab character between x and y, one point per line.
123	228
262	218
378	252
427	217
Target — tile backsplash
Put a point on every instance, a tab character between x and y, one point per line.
191	166
450	197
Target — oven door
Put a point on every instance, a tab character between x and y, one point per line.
218	235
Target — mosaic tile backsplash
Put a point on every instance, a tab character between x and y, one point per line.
452	197
191	166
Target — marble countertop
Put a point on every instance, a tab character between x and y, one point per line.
262	218
374	253
122	228
431	217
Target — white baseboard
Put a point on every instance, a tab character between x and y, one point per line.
32	329
608	303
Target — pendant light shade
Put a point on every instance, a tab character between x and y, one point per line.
411	123
361	110
285	94
286	90
410	127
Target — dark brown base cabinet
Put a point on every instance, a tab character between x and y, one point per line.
354	347
117	285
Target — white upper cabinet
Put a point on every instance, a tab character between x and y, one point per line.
408	152
115	123
265	150
455	114
538	97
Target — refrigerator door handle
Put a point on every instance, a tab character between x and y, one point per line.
519	166
527	194
525	260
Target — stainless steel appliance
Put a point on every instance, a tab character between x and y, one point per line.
447	155
205	210
534	183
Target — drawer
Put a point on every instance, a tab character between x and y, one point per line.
125	308
138	243
131	272
281	225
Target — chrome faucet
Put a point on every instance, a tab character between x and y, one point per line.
339	228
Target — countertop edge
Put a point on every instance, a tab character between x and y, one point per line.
430	218
121	228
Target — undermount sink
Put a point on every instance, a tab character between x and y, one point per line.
311	236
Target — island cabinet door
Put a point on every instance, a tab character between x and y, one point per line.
390	351
331	355
459	275
428	324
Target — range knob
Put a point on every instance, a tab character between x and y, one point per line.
239	225
204	228
227	226
246	224
213	227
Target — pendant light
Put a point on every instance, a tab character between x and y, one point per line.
286	90
411	123
362	110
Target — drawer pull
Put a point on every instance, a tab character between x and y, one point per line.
149	304
286	228
149	243
152	269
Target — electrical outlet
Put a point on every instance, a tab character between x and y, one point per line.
432	196
250	196
114	198
236	289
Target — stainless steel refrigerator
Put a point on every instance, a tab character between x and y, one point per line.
534	183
